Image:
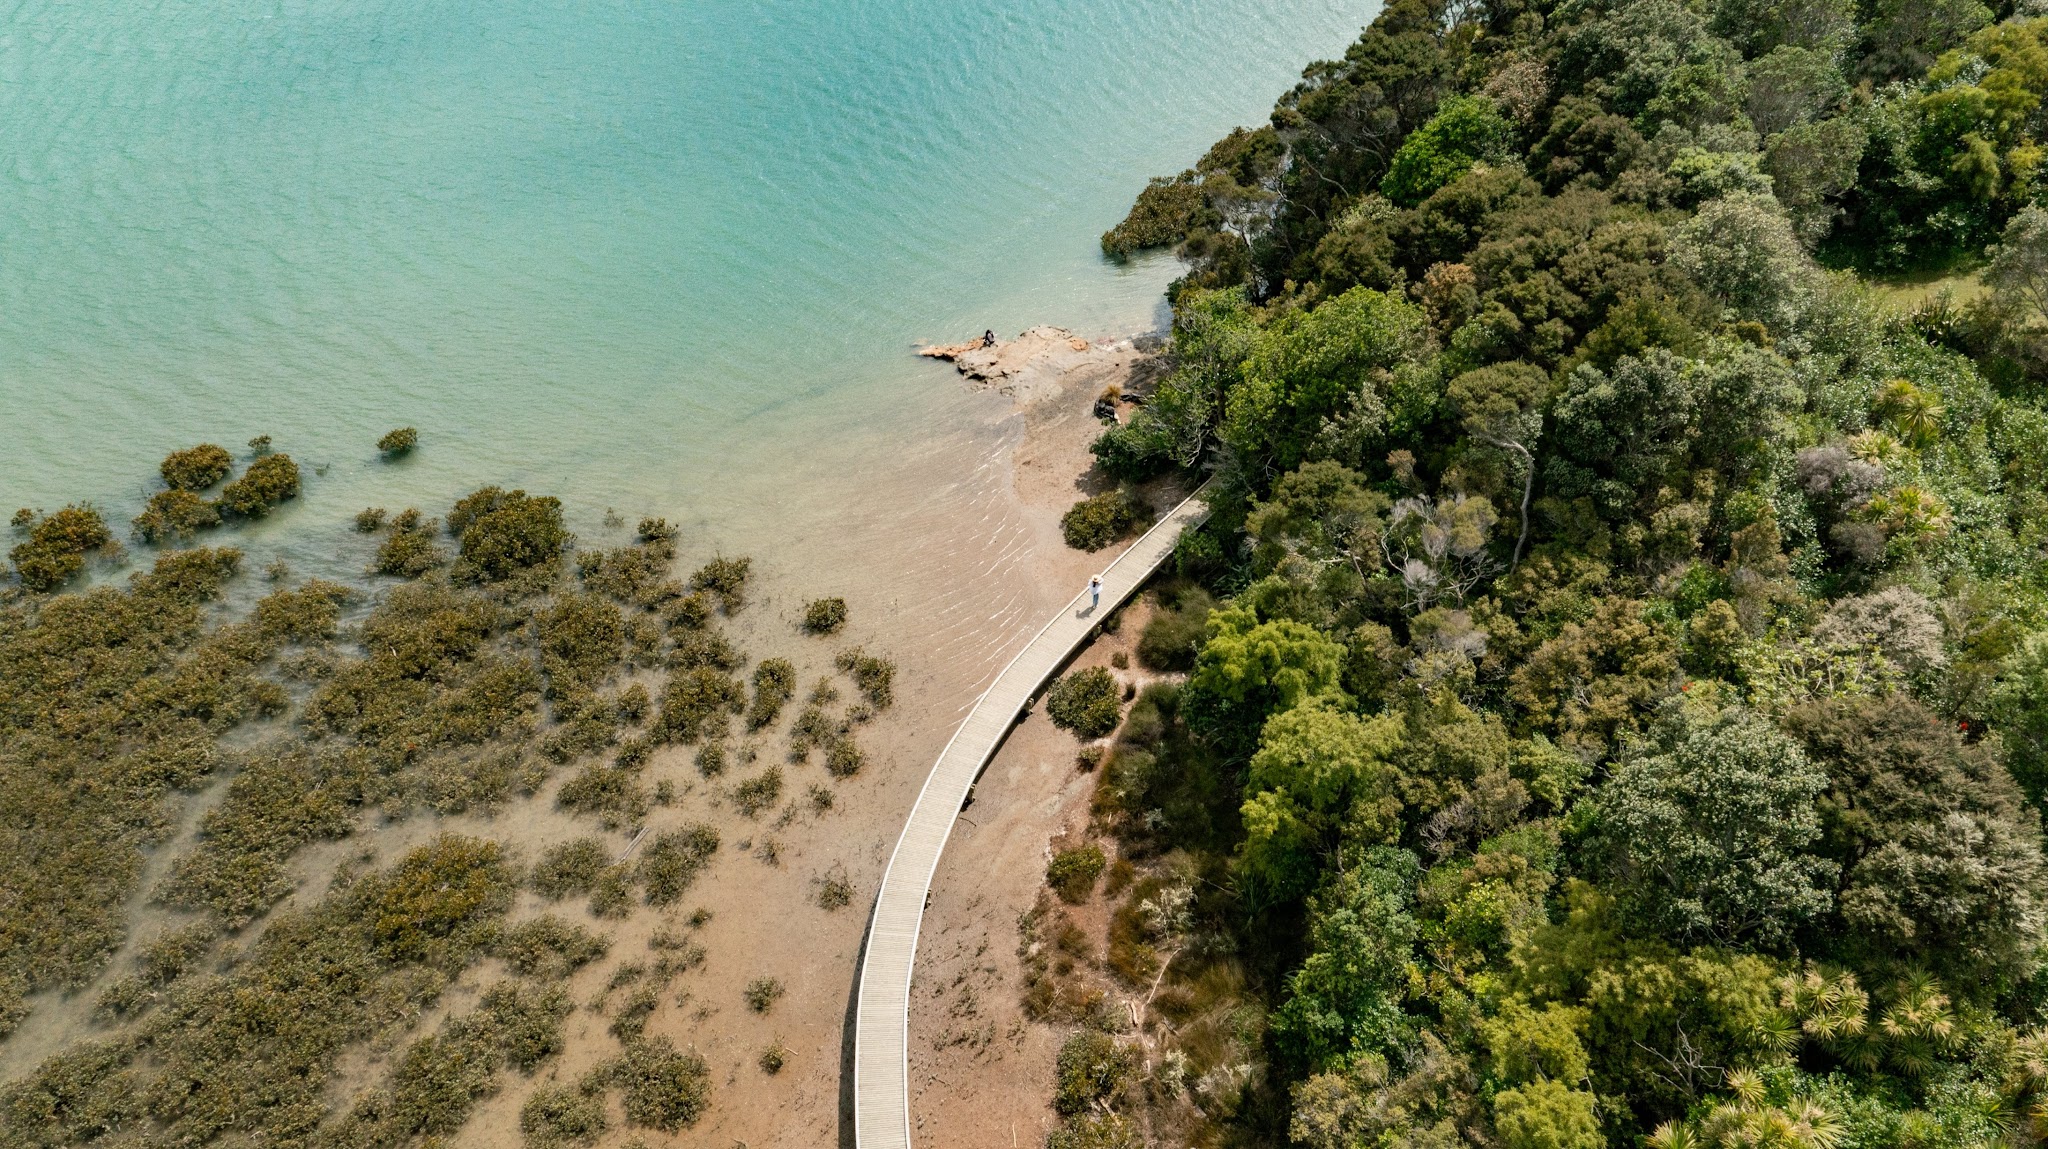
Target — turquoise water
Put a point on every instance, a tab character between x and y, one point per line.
666	255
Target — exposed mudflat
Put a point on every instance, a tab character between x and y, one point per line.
949	557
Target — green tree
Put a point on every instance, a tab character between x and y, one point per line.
1464	131
1213	334
1940	857
1619	432
175	514
1250	669
2019	710
1811	165
398	442
1659	1022
1088	702
1320	776
2019	264
1905	36
1741	250
1529	1044
1710	825
1501	406
1324	512
1792	85
1311	367
1758	26
1747	396
1345	1000
1546	1115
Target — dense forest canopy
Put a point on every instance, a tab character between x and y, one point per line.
1625	718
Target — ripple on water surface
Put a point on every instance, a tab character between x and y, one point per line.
665	257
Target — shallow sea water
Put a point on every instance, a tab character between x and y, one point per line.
632	252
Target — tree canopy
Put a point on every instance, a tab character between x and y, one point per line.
1624	707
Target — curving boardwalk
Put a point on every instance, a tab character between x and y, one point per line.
881	1070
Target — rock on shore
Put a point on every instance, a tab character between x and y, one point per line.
1038	354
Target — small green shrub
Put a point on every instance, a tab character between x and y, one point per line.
369	520
672	861
504	533
305	615
774	684
54	552
175	953
1172	636
1099	520
1096	1131
437	891
812	728
662	1088
1087	702
759	792
824	615
409	550
695	649
1092	1067
762	994
689	612
269	481
821	799
174	514
1161	216
582	637
614	795
726	578
843	757
569	868
632	704
526	1021
637	574
555	1116
876	677
398	442
695	704
1072	873
834	891
773	1058
611	895
630	1022
711	759
549	947
196	468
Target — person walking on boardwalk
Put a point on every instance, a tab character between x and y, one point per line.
1094	592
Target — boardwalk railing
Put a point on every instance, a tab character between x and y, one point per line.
881	1067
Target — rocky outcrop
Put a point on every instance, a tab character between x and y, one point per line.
1038	351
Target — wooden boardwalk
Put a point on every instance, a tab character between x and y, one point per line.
881	1070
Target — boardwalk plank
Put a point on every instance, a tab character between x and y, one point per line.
881	1085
